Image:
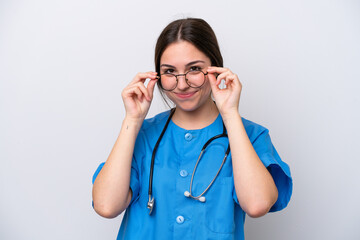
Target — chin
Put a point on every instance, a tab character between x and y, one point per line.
189	106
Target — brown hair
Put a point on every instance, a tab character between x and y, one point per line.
193	30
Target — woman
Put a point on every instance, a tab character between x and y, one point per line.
157	170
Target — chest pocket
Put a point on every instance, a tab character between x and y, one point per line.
220	207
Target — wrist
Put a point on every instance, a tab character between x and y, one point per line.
132	123
230	115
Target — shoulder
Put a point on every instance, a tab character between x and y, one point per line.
154	125
253	129
150	130
158	119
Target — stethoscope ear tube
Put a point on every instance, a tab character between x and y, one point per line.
151	202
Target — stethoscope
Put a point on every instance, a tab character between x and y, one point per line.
201	197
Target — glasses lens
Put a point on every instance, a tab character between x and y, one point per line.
195	79
168	81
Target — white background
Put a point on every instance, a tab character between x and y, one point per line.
63	65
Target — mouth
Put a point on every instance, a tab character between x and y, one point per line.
185	95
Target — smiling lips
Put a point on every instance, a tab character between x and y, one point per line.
185	95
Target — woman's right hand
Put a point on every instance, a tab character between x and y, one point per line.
137	98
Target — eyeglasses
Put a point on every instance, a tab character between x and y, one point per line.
193	78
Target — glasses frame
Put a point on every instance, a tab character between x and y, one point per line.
177	80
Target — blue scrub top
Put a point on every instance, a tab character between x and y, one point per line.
176	216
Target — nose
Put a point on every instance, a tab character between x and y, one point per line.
181	82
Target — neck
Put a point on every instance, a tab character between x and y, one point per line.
196	119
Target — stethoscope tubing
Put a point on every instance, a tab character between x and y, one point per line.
151	202
198	160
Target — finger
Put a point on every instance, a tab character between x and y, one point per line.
223	76
151	86
229	79
233	80
141	77
217	70
134	91
144	91
212	81
138	94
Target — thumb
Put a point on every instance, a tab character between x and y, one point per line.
150	87
212	80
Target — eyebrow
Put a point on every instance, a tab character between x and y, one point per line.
187	65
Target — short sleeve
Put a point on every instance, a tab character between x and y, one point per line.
278	169
95	175
134	179
97	172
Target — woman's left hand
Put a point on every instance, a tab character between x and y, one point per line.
227	99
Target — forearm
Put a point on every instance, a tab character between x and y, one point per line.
254	185
111	191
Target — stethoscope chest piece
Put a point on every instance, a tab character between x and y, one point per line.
150	204
201	199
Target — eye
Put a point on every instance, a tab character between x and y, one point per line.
194	68
169	71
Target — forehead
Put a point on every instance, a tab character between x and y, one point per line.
182	52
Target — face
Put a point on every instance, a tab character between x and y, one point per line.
179	58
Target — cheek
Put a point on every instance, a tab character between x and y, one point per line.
169	96
206	89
